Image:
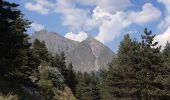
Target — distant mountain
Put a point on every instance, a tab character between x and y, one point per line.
88	55
54	42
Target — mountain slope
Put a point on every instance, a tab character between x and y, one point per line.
88	55
54	42
91	54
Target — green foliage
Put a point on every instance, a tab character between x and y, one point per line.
67	71
40	52
56	77
15	50
13	40
71	80
86	88
138	71
45	84
166	55
9	96
151	68
120	80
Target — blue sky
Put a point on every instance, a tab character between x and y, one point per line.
106	20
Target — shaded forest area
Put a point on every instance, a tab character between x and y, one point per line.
140	71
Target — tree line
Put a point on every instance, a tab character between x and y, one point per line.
140	70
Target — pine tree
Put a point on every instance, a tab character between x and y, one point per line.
71	80
94	81
62	65
56	61
166	61
152	70
40	51
120	81
86	88
13	40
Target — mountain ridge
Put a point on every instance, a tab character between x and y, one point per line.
86	56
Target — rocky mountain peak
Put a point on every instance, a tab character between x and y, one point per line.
86	56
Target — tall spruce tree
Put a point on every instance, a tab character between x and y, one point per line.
120	81
151	69
13	40
40	51
166	61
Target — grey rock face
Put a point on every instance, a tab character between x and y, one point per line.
54	42
86	56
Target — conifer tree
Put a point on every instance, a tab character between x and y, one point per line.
166	54
151	69
13	40
120	81
40	51
86	88
71	80
166	61
56	61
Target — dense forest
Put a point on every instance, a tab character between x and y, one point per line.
140	70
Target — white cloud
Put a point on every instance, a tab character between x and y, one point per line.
166	3
110	6
37	26
86	2
148	14
37	7
164	37
76	37
108	16
165	23
113	6
72	17
111	26
80	18
44	3
77	19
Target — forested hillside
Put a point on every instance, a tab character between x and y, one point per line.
140	70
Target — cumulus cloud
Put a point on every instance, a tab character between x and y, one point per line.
111	26
37	7
110	6
148	14
72	16
45	3
113	6
107	16
36	26
86	2
164	25
76	37
77	19
164	37
166	3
